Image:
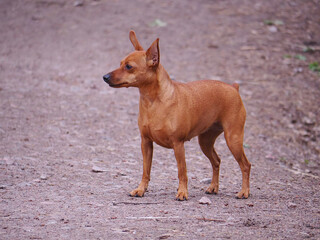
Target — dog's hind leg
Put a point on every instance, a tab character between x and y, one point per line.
234	139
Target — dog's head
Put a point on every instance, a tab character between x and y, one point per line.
136	69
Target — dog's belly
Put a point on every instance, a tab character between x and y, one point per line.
168	133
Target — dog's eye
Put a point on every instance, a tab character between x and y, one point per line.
128	66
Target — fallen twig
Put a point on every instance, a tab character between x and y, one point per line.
152	218
136	203
302	173
210	220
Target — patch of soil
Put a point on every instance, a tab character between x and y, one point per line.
70	145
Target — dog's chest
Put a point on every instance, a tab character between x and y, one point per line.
157	126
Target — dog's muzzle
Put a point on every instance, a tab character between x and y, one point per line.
107	78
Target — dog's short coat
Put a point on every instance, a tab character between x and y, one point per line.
171	113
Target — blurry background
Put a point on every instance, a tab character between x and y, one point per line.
59	122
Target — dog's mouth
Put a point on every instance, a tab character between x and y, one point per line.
117	85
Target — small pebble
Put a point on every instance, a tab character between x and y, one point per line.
206	181
273	29
43	177
205	200
78	3
97	169
292	205
298	70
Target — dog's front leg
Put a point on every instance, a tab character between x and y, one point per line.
147	150
182	171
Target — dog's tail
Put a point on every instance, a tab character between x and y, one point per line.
236	86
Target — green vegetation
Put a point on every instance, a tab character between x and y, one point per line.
315	67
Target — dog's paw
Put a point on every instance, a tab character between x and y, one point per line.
182	195
244	193
137	193
212	189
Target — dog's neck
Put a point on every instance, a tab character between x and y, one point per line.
160	87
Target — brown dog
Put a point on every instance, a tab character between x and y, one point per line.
171	113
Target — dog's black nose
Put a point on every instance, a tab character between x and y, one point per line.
107	77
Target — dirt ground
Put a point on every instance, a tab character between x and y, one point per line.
59	121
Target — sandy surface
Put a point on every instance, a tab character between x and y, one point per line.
59	120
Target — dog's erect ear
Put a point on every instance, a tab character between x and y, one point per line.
153	54
134	41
